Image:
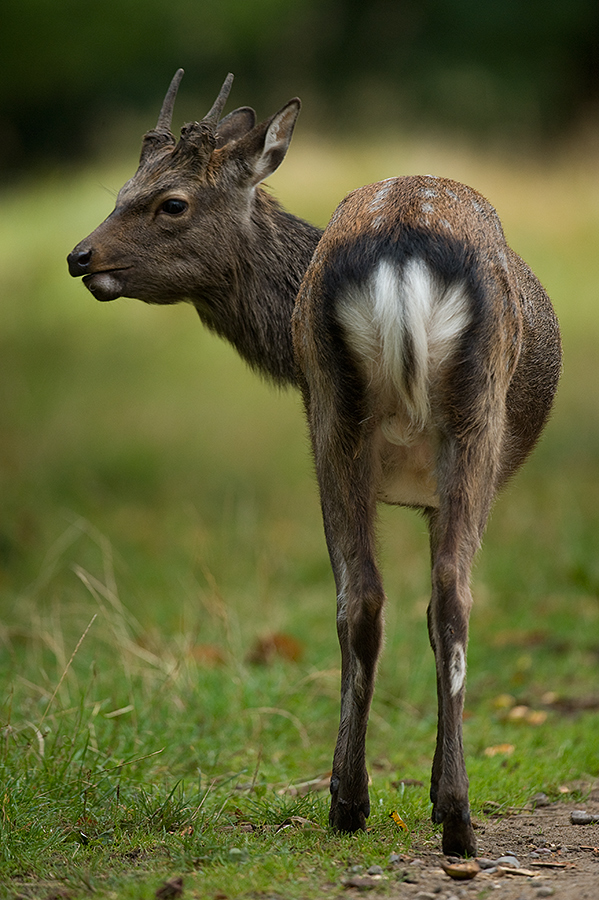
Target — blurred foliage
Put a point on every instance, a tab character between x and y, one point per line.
71	72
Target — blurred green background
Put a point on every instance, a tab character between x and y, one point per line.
132	420
138	453
71	73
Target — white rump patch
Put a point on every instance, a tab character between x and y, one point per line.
403	326
457	669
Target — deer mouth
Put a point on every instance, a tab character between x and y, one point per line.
106	285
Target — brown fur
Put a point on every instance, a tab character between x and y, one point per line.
426	350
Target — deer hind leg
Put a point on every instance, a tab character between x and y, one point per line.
456	527
343	455
359	627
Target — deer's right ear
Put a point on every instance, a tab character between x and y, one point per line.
265	147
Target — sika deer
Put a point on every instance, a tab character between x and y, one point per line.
427	352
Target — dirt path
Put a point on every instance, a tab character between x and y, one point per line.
555	859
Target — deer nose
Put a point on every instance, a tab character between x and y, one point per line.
79	261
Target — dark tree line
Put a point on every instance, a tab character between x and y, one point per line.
513	67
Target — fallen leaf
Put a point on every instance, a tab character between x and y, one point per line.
527	715
269	646
536	717
461	871
398	821
208	655
500	750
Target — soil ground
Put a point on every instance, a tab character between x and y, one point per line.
556	859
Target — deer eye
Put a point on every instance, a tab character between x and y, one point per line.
173	207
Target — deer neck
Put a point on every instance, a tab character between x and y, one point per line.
253	305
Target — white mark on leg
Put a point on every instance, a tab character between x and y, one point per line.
457	669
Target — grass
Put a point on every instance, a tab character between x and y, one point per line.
159	517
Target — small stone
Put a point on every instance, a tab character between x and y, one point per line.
374	870
485	863
410	877
509	861
395	859
582	817
361	882
540	800
425	895
545	891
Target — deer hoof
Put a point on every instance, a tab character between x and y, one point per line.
348	816
458	838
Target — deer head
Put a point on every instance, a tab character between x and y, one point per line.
177	227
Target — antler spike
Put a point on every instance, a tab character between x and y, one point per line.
166	113
219	104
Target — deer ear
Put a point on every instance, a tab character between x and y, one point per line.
274	141
235	125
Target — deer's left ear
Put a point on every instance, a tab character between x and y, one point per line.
264	148
235	125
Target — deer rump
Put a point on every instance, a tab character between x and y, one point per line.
427	354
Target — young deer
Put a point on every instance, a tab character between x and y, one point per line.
427	352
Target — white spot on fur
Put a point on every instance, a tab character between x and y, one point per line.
428	208
381	196
457	669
